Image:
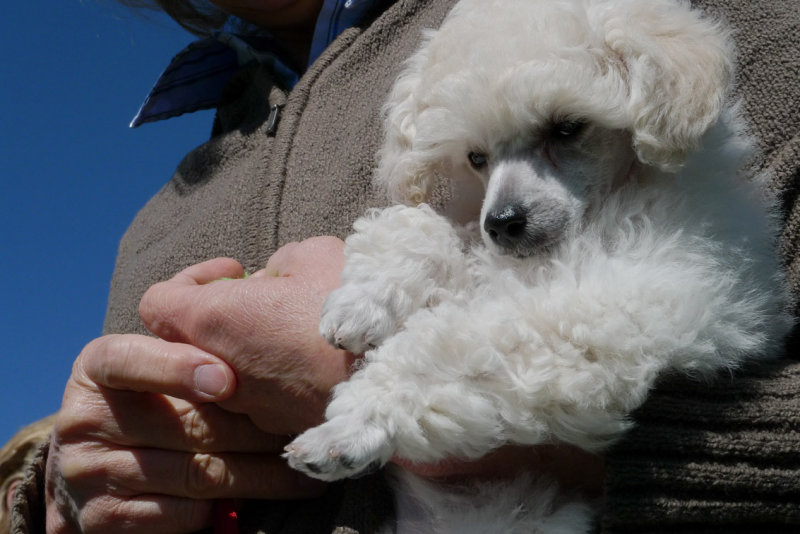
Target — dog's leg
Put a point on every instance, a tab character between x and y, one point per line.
429	393
562	353
399	259
435	390
515	364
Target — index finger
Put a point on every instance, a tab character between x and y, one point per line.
163	303
209	271
324	253
144	364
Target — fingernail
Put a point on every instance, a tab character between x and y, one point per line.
211	380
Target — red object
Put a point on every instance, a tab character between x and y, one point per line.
224	516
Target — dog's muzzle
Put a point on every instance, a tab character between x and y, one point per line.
525	230
507	227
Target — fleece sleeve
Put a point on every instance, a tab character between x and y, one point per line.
28	510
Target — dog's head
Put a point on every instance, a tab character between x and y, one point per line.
548	105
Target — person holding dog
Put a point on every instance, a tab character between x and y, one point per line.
196	387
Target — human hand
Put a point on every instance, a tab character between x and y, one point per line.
264	326
123	453
139	441
306	272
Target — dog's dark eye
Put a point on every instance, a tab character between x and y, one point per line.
477	160
567	129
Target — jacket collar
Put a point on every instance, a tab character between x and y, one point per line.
195	77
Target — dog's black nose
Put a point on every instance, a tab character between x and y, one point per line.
507	226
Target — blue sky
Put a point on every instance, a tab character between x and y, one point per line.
73	175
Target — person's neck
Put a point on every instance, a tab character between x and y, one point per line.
296	41
292	25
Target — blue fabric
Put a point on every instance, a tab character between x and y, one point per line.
195	78
335	17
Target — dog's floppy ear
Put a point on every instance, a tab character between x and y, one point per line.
678	67
405	170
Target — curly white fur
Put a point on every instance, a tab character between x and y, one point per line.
616	239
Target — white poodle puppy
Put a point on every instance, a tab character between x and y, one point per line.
600	232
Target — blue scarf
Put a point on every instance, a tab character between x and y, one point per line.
195	78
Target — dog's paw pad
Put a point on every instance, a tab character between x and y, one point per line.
311	467
332	451
355	321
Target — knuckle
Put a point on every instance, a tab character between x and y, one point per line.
98	348
105	514
220	314
278	260
119	349
116	345
152	298
78	465
289	248
66	479
158	309
82	412
198	428
99	513
208	316
325	241
89	357
206	475
178	313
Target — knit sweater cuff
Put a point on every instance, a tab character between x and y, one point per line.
721	454
28	510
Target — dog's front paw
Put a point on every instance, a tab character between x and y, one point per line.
340	448
357	318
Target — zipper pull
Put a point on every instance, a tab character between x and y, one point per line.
273	119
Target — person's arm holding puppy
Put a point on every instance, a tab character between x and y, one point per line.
146	436
139	439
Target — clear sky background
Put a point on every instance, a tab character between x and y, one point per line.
72	176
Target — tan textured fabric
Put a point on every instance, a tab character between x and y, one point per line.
712	459
23	449
27	512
